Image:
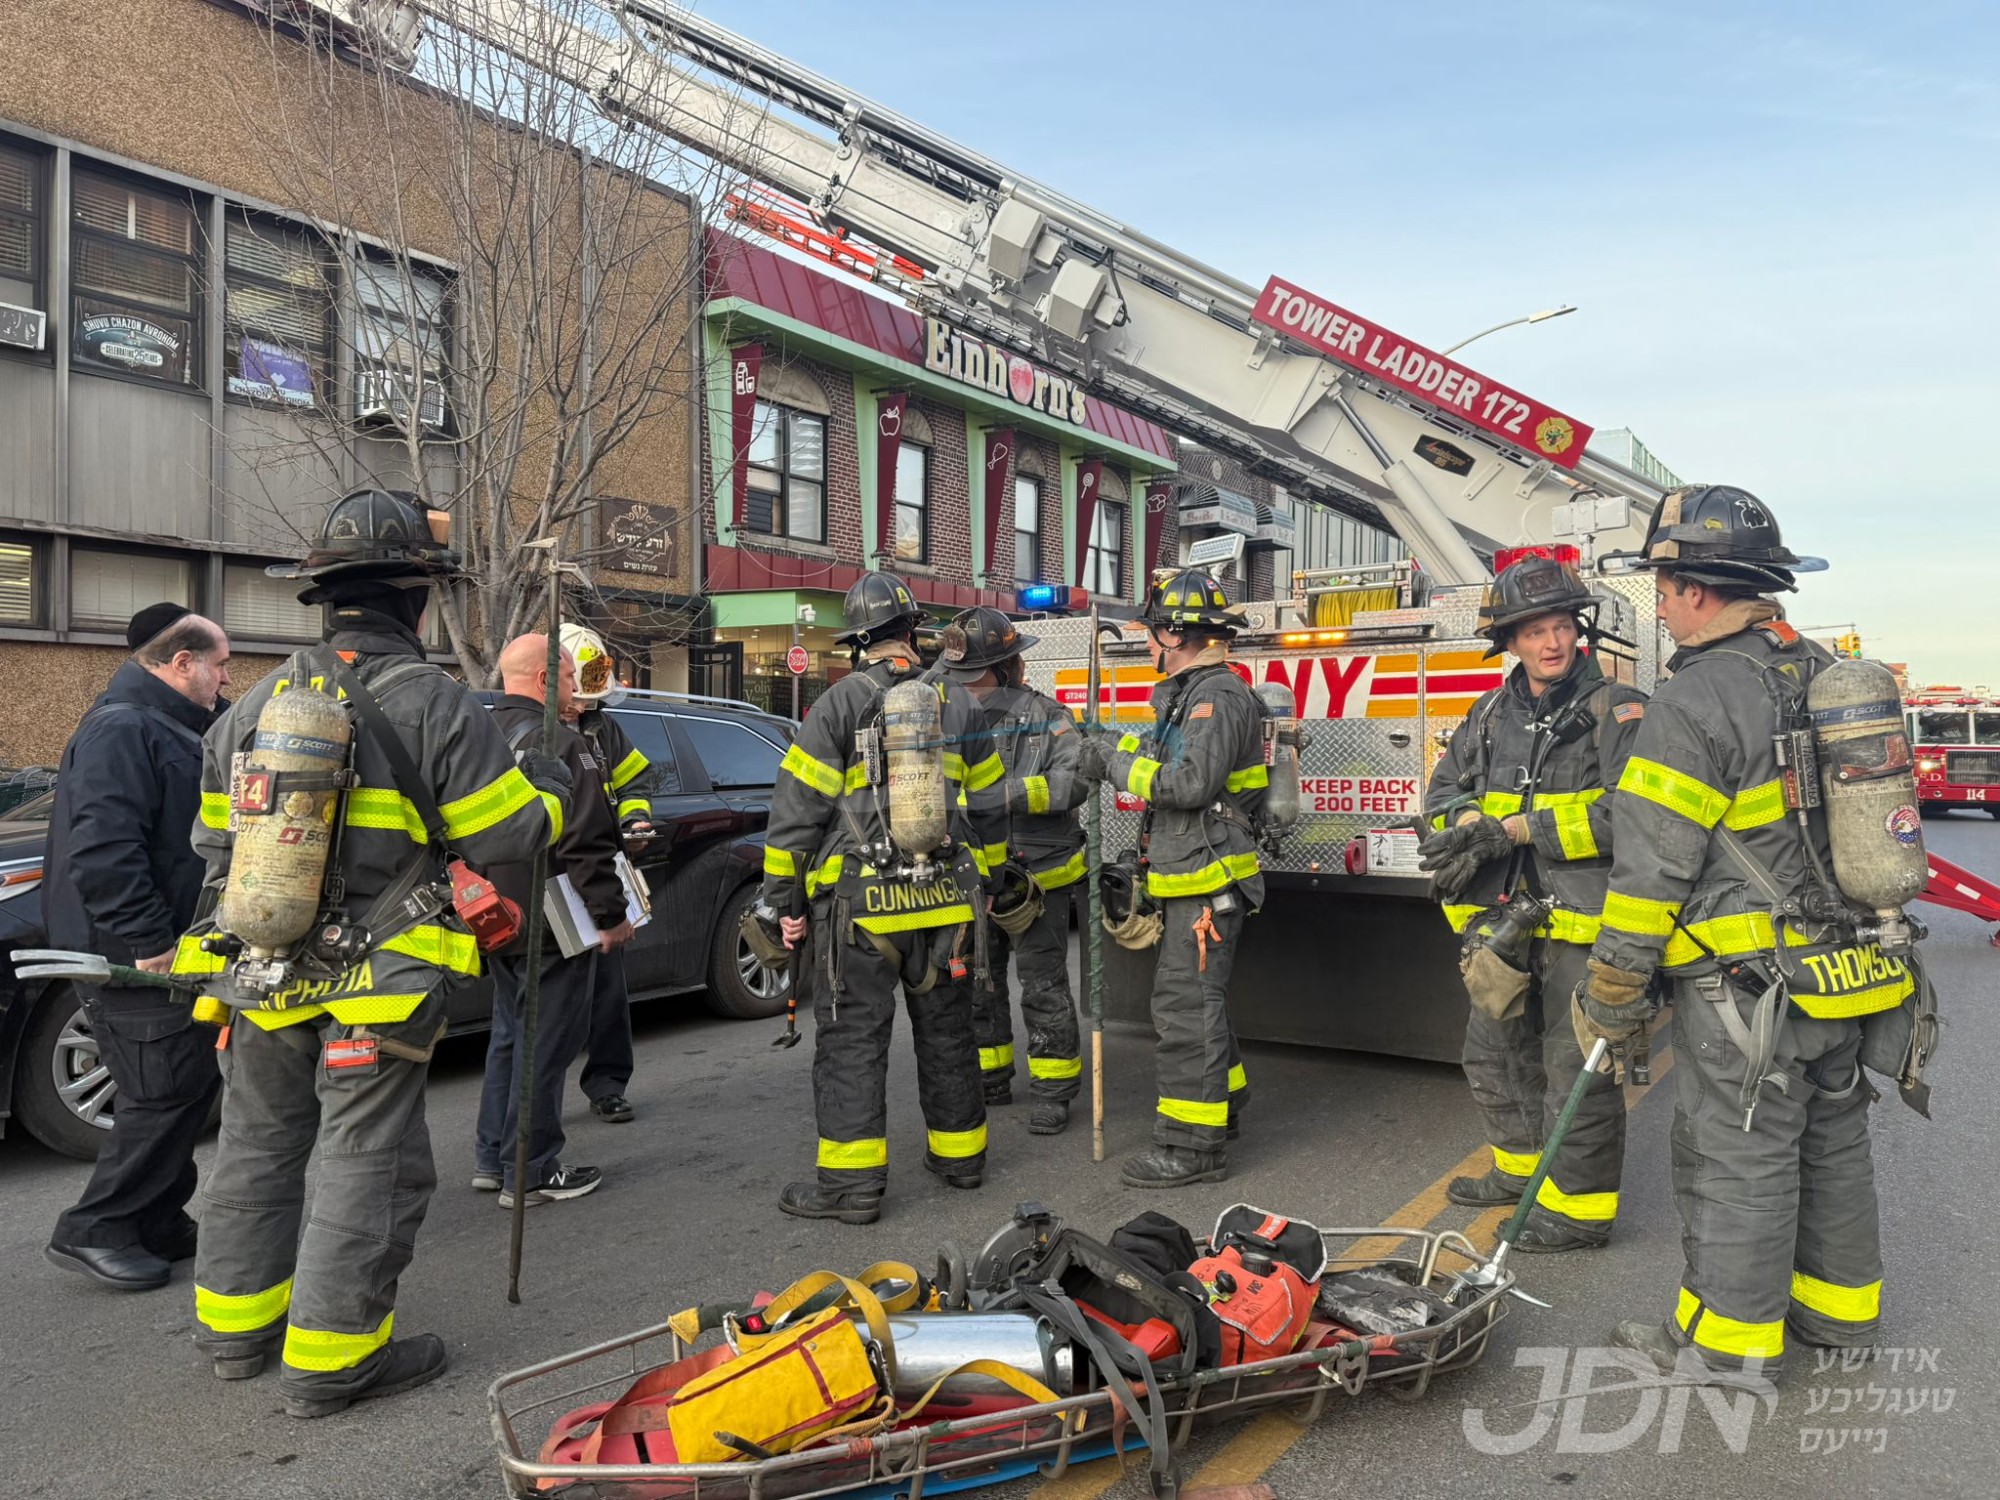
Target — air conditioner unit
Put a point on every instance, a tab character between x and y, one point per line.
382	394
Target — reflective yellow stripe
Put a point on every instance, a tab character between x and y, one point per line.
215	809
857	777
1128	742
1063	874
1055	1067
1756	807
1546	800
1517	1163
1586	1208
1674	790
384	809
492	804
1238	1079
370	1010
1744	932
1231	867
957	1145
780	862
993	1058
634	807
1845	1304
1247	778
985	773
1639	916
189	959
816	774
824	877
245	1314
439	946
1500	804
1461	917
627	770
991	858
852	1156
910	921
1856	1002
274	1020
1037	788
1139	780
1194	1112
1710	1330
321	1349
552	805
1574	834
1572	926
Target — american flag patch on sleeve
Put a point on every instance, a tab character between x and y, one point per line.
1625	713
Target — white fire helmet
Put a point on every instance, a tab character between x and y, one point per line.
596	682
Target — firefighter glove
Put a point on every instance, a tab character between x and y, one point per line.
1093	759
1610	1004
1454	855
546	773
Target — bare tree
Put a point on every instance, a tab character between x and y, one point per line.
516	277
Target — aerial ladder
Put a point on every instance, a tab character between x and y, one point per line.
1296	388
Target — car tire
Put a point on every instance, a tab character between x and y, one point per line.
60	1088
739	986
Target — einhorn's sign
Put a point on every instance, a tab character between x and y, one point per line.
1000	372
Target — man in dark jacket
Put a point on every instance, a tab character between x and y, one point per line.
586	852
122	881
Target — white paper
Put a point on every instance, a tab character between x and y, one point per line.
570	921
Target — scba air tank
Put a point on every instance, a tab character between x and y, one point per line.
1868	785
913	745
283	800
1281	715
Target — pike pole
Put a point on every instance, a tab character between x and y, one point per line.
531	989
1093	926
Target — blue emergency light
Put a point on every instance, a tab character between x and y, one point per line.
1049	599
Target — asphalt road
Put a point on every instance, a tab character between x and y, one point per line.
103	1395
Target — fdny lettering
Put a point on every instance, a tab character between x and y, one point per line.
356	980
886	898
1849	969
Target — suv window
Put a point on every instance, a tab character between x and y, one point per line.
648	734
734	756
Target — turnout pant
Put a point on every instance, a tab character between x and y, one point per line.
164	1067
1202	1085
851	1057
1779	1223
1041	957
1521	1071
607	1052
562	1019
321	1274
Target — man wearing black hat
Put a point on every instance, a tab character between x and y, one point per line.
122	881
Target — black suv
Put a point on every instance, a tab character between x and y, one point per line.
715	760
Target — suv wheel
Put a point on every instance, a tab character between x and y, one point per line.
739	985
63	1093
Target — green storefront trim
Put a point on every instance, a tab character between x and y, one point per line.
765	607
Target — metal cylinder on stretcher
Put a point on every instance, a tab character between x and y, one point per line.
914	780
1868	785
931	1345
283	834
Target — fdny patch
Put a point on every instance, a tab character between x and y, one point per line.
1202	711
1625	713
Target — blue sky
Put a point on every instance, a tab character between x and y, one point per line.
1780	221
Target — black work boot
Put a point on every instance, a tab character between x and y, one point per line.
1049	1118
410	1363
809	1200
967	1180
1497	1189
998	1090
1545	1234
1174	1166
1673	1356
245	1360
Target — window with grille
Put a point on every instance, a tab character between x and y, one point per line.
258	607
913	504
20	582
107	588
1104	562
1027	528
278	311
23	198
787	492
400	348
135	279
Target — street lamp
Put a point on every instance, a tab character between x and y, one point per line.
1538	317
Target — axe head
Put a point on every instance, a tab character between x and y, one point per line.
60	963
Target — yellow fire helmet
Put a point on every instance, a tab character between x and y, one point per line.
594	676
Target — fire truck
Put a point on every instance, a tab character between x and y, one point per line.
1342	411
1955	736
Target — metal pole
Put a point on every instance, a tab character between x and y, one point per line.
788	662
531	989
1093	926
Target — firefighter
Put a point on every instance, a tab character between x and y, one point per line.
1038	798
1200	769
627	778
1519	799
335	1069
877	920
1773	1180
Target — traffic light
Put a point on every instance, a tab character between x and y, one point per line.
1848	645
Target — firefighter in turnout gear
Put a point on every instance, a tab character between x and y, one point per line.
1521	807
1715	880
1200	769
840	872
1037	801
334	1067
